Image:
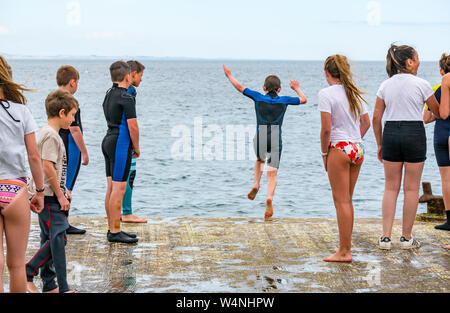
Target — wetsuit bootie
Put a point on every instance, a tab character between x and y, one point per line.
121	238
75	231
131	235
446	225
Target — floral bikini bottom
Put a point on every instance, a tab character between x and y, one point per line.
9	188
354	150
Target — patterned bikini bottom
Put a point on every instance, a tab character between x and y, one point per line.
354	150
9	188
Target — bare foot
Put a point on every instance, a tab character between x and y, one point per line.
339	257
269	208
447	247
31	288
132	219
253	193
56	290
70	291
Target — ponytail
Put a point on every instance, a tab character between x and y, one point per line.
11	90
339	68
396	59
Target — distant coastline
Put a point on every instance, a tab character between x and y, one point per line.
150	58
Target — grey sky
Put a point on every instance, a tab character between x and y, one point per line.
246	29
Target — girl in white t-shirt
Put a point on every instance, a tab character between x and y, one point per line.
16	137
402	144
345	121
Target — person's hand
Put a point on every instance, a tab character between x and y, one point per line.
136	153
294	84
226	70
37	203
63	202
325	161
379	154
69	195
85	159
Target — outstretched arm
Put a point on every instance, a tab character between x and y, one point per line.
239	87
444	108
295	85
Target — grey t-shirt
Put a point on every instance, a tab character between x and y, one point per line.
16	121
51	148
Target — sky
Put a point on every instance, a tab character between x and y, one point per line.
232	29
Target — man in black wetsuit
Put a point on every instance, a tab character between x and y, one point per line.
120	144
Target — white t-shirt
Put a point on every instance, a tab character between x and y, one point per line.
405	96
334	100
12	141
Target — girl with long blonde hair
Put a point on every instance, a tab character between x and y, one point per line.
345	121
17	136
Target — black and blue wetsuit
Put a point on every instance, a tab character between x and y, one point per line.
441	135
73	153
270	110
118	106
126	203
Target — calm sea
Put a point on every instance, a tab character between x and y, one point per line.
181	98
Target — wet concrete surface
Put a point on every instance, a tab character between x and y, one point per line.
248	255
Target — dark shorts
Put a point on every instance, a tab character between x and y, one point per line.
441	136
117	153
404	141
267	149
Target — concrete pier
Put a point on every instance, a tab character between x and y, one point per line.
249	255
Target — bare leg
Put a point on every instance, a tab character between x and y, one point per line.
393	179
445	177
411	187
259	165
339	174
115	205
272	184
16	218
2	256
107	197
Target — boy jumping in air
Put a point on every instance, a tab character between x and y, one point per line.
270	109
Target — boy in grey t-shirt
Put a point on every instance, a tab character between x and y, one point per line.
61	107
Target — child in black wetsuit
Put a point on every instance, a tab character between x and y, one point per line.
270	109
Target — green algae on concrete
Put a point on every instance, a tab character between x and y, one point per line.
249	255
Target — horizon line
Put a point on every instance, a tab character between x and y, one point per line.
168	58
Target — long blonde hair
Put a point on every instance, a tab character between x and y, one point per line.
12	91
338	67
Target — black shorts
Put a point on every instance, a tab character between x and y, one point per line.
117	152
404	141
441	136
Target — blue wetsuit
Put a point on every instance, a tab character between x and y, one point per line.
126	203
441	135
117	147
73	153
270	110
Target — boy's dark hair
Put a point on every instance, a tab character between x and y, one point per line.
272	83
397	57
136	66
444	63
119	70
59	100
65	74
